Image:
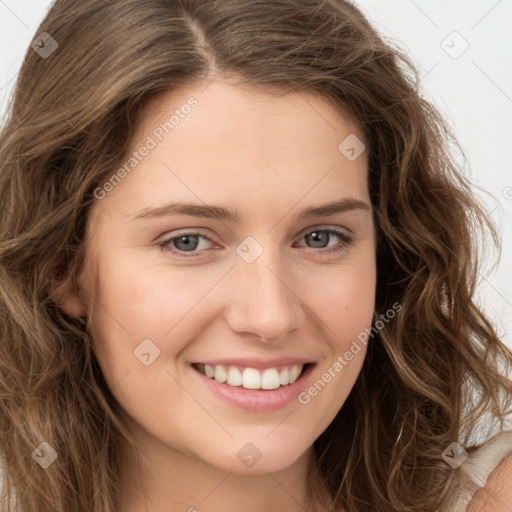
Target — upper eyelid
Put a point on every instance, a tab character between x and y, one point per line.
198	231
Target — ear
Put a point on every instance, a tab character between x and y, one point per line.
69	297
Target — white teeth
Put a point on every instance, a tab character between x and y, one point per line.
220	374
234	377
251	378
295	372
270	379
210	371
284	377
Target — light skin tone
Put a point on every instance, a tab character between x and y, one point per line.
496	494
269	158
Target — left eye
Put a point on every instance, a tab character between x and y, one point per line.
190	242
319	236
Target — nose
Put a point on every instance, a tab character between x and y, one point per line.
262	300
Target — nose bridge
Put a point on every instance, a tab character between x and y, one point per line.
262	301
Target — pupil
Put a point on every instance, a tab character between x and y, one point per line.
317	237
185	239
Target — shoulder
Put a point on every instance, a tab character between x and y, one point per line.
495	493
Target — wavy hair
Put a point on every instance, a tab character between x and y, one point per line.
429	376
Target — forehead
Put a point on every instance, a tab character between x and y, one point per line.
231	106
221	142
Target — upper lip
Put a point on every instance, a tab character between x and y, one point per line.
260	364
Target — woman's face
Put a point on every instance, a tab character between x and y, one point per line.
243	284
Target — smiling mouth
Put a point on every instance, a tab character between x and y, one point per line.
252	378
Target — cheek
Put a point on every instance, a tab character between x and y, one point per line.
148	310
138	301
148	301
344	300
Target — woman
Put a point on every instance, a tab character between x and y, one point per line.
238	266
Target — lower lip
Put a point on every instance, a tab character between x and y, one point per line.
257	400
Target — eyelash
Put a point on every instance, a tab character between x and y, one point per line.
346	240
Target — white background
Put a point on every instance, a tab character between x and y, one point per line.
474	92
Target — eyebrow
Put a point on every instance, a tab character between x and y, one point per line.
220	213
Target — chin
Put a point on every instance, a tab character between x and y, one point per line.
259	456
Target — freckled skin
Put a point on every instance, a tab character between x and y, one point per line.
269	158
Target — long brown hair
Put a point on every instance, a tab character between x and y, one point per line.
428	376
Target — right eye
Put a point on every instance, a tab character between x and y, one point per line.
184	243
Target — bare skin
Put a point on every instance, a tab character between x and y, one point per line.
268	157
